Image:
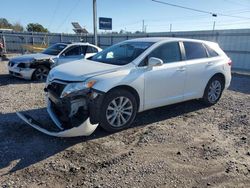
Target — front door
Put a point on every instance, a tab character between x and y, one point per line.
72	54
165	84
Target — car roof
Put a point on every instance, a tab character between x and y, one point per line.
78	43
166	39
75	43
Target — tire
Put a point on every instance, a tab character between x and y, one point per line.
213	91
118	110
40	73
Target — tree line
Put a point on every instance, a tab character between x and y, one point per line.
31	27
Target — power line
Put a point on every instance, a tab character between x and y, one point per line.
198	10
187	8
54	13
68	15
242	12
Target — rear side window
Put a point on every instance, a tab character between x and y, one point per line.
169	52
211	52
194	50
91	49
83	50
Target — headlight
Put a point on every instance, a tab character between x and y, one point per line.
75	87
24	65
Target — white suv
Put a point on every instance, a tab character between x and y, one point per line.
131	77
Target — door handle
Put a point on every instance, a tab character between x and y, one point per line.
181	69
210	63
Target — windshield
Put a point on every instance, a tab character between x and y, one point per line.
122	54
54	49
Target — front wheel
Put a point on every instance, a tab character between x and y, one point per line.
213	90
40	73
118	110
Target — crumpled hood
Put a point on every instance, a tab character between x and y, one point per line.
81	70
29	57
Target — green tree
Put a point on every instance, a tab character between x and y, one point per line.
4	23
36	27
138	32
17	27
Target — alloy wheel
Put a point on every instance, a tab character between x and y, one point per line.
214	91
119	111
41	74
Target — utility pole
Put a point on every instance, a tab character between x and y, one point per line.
143	27
214	26
95	21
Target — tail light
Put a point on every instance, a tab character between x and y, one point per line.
230	62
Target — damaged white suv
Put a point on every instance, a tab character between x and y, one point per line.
131	77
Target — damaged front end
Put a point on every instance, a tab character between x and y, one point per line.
74	107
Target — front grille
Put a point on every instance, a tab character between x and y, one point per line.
15	74
56	88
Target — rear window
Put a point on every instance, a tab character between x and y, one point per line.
211	52
194	50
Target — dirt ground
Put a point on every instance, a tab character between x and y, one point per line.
183	145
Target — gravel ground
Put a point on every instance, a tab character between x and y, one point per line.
183	145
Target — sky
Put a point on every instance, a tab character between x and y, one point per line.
57	15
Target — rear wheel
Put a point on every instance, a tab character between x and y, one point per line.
213	90
40	73
118	110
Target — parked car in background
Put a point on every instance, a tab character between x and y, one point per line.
37	66
131	77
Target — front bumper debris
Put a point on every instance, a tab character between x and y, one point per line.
85	129
76	115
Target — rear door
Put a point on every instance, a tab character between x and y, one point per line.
197	62
165	84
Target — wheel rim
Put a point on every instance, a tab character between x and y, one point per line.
41	74
214	91
119	111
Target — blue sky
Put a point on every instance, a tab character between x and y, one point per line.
57	15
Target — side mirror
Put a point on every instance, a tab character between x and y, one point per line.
153	61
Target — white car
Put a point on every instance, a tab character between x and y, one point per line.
131	77
36	66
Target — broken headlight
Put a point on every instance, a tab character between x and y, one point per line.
24	65
76	87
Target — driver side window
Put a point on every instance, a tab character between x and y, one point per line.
168	53
74	51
